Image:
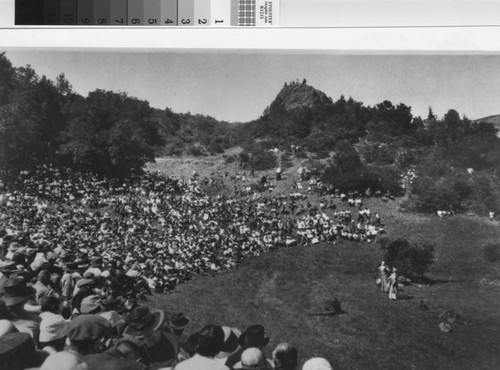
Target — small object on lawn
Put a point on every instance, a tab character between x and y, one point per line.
423	305
445	327
332	308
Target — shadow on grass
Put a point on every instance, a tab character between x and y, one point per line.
328	313
404	297
429	281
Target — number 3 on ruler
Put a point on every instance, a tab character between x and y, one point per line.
185	21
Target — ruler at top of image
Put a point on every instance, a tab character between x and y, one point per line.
166	13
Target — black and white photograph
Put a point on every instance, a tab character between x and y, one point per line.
207	209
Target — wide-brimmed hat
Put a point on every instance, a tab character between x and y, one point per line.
82	263
141	321
114	304
162	347
9	268
6	327
17	351
88	327
52	327
16	291
178	321
231	344
14	246
91	304
253	336
71	266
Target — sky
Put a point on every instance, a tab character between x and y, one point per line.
237	86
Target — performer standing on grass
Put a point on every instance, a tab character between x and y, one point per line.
393	284
382	275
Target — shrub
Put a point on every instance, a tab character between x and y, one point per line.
492	252
412	260
195	150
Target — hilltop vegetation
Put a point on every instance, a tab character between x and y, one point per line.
448	163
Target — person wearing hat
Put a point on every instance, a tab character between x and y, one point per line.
253	358
95	266
53	326
17	293
317	363
18	352
68	281
13	248
42	286
163	349
63	361
285	357
210	342
177	322
6	270
127	354
231	344
141	322
253	336
86	335
6	327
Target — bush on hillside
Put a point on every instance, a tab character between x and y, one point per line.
196	150
411	260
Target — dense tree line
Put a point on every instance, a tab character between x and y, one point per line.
42	121
454	159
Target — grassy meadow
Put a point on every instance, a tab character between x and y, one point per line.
280	290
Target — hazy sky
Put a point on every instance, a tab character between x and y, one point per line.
239	86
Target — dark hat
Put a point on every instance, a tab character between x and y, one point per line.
88	327
71	266
67	256
211	339
16	291
142	321
82	263
178	321
231	344
17	351
114	304
9	268
96	261
162	347
253	336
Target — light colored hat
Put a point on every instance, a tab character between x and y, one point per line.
317	363
251	358
52	327
6	327
61	361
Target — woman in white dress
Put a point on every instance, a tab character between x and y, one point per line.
393	284
382	275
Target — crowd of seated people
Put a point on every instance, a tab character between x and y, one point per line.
99	329
158	229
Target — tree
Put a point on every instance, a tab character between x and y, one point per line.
7	75
412	260
346	157
113	134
